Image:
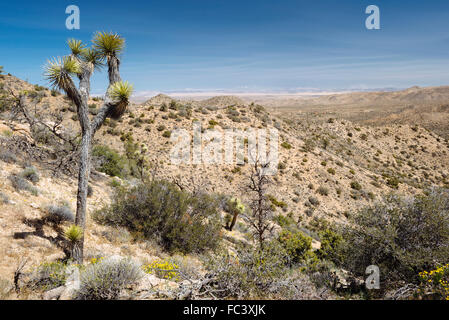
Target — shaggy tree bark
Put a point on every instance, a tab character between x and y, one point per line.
88	130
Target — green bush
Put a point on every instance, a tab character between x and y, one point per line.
393	182
402	236
275	202
285	221
109	161
166	134
295	244
47	276
330	244
286	145
180	221
356	186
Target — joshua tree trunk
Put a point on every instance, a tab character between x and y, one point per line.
81	200
88	132
234	220
84	162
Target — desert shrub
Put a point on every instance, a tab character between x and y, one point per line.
109	161
90	191
31	174
20	183
393	182
435	283
180	221
173	105
59	213
330	241
251	274
285	221
39	88
356	186
323	191
48	275
42	134
7	156
314	201
275	202
6	289
309	145
286	145
167	134
236	170
163	107
105	279
213	122
185	112
3	198
295	244
163	269
331	171
402	236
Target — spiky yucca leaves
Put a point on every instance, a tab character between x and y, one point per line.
73	233
93	57
108	44
76	46
120	92
59	72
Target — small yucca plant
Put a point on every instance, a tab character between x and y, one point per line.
73	233
120	92
108	43
76	46
93	57
238	205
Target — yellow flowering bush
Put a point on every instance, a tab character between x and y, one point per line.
48	275
163	269
96	260
436	282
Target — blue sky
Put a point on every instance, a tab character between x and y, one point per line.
241	45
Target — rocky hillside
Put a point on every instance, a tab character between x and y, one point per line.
329	167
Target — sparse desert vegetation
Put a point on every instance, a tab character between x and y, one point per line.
349	192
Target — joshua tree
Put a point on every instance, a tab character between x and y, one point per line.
237	207
81	63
